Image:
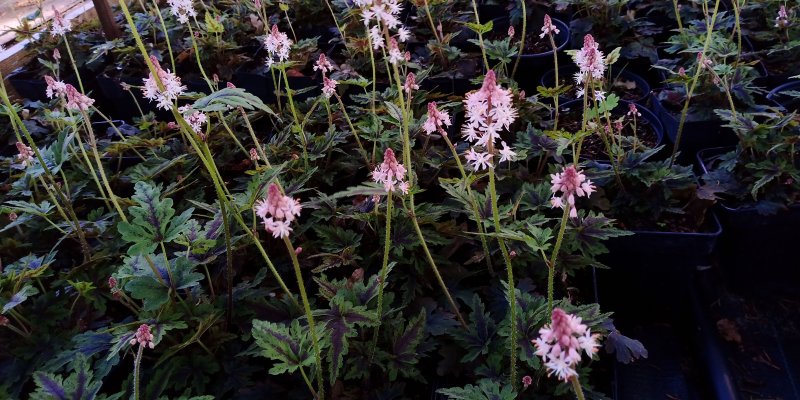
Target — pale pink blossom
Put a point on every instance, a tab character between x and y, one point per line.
703	61
478	160
386	12
511	31
489	111
277	211
591	65
376	38
395	55
56	55
548	28
254	155
391	174
506	153
561	343
26	154
571	183
403	34
55	88
195	119
183	9
143	337
77	100
322	64
329	86
437	119
172	86
61	26
277	45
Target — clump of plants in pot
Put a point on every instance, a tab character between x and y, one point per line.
759	181
704	76
773	27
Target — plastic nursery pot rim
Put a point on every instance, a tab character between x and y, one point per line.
650	116
775	94
548	79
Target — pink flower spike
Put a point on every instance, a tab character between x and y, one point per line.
782	20
526	381
571	183
61	26
76	100
172	86
26	154
328	86
143	337
411	83
277	211
548	28
55	88
277	45
323	65
511	31
436	119
561	343
633	111
391	173
590	61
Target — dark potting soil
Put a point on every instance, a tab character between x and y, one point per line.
625	89
593	147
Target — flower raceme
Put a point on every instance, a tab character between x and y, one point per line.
548	28
61	26
25	156
571	183
55	88
278	45
143	337
77	100
489	111
782	20
561	343
436	121
278	211
382	11
183	9
172	86
391	174
591	65
195	119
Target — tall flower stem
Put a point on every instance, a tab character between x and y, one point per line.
100	169
137	370
166	34
309	315
522	40
558	84
411	181
476	215
352	128
298	126
480	35
695	78
197	55
74	66
384	271
512	301
551	267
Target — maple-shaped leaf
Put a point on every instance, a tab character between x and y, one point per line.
153	220
479	333
78	385
485	390
340	323
289	346
404	355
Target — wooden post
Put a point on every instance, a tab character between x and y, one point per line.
106	18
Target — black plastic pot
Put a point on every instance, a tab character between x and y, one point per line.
755	247
778	96
654	267
549	79
697	134
29	85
